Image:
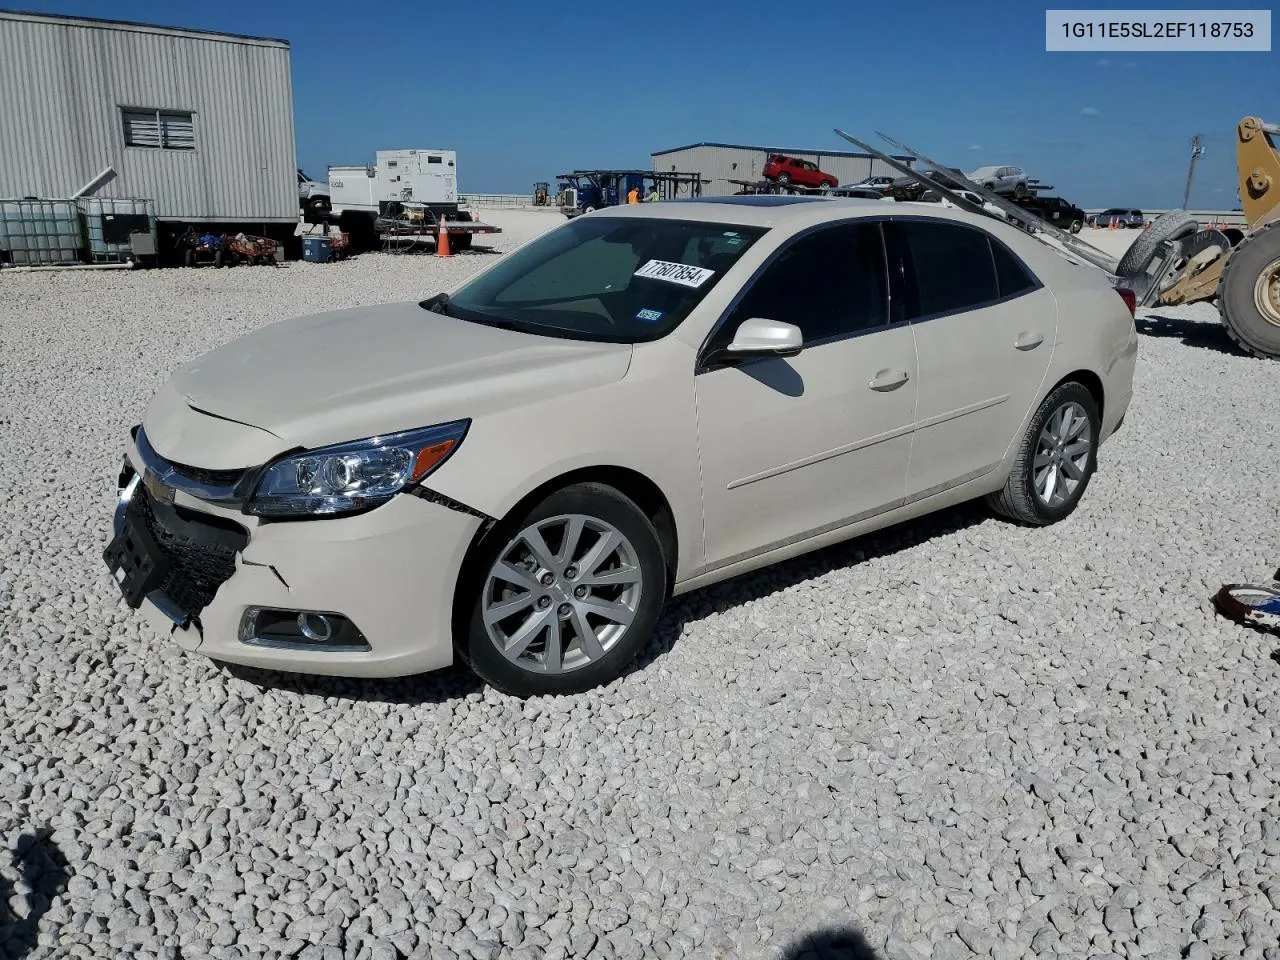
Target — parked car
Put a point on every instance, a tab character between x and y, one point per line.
1060	213
909	188
854	190
1003	180
933	196
802	173
1122	217
874	183
376	491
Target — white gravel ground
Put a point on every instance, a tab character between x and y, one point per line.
958	737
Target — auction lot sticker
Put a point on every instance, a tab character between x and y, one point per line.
1171	31
680	273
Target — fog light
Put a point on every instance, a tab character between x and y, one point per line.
315	626
300	630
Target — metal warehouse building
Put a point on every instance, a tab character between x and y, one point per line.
199	122
722	163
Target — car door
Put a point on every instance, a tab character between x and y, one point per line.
796	446
985	329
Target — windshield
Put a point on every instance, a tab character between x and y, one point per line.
616	279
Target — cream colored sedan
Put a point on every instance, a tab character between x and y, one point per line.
641	402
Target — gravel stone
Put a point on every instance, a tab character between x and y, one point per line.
958	735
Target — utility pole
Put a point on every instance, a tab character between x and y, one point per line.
1197	148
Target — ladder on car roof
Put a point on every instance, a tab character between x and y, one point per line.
1033	224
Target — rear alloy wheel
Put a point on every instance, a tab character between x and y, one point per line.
1055	461
565	597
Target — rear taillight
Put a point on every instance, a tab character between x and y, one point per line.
1130	299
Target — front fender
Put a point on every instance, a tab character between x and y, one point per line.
645	423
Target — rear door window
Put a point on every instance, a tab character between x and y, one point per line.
947	267
1012	278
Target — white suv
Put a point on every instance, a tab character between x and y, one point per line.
1010	180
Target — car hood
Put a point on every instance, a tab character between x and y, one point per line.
350	374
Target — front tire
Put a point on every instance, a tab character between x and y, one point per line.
563	597
1076	226
1056	459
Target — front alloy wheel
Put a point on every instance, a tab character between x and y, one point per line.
565	596
562	593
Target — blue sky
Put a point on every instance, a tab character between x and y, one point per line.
602	86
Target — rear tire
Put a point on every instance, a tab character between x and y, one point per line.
1076	226
1249	294
1173	225
1049	477
554	587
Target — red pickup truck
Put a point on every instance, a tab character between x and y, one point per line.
802	173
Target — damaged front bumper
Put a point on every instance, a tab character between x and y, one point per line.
240	590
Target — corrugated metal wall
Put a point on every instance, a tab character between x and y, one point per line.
721	165
63	84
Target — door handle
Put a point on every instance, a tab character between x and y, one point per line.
888	380
1029	340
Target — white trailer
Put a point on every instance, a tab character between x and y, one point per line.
405	194
414	176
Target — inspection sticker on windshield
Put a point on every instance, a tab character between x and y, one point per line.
648	315
680	273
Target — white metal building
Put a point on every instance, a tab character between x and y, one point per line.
199	122
722	163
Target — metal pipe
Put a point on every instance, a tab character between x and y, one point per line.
97	183
1271	128
71	266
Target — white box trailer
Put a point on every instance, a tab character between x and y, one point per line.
404	193
416	176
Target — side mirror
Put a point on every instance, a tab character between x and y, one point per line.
761	337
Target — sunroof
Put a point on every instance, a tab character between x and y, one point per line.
758	200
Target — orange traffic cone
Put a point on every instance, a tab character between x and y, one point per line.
442	240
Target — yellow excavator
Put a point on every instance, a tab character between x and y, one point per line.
1176	262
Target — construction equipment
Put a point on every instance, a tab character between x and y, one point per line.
1178	263
541	194
582	191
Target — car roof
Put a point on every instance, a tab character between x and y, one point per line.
793	212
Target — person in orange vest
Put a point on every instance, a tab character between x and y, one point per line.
633	195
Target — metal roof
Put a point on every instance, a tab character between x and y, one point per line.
786	150
74	21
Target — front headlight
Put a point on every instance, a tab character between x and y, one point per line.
353	476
